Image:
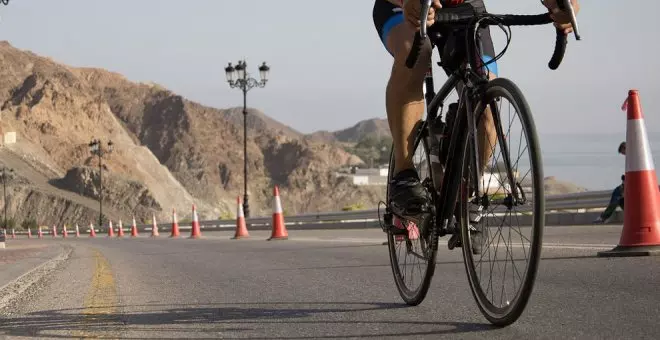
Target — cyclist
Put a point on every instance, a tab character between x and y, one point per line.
396	22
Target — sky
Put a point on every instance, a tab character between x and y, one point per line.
328	66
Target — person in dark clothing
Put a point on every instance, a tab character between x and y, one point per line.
617	195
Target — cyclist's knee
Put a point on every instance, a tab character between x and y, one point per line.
400	41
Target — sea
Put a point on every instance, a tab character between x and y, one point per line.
589	160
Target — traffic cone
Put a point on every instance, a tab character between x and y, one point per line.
111	230
77	231
279	230
92	232
195	230
134	231
64	232
241	228
120	232
154	228
175	225
641	222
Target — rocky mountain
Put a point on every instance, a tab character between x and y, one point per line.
169	152
375	127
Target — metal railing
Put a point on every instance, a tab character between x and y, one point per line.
575	203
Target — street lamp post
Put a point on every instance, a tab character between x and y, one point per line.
6	174
97	149
239	78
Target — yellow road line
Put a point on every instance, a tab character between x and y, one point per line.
100	304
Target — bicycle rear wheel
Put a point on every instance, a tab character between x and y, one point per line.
523	211
412	254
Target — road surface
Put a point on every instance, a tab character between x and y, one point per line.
322	284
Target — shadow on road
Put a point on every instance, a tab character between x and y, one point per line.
216	319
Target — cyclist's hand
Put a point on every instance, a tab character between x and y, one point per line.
561	18
412	9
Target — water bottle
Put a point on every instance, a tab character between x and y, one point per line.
437	129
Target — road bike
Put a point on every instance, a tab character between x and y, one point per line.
457	179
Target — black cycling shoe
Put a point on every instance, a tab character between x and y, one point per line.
408	197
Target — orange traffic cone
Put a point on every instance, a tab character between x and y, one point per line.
64	232
279	230
111	230
54	231
175	225
134	231
92	232
241	228
120	232
641	224
77	231
195	231
154	228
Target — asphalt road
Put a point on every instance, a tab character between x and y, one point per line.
323	284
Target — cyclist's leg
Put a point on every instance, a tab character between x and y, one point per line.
404	105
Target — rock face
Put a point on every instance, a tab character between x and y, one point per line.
370	127
169	152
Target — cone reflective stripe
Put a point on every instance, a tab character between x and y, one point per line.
241	228
134	231
154	227
92	232
195	231
77	230
120	229
175	225
641	226
279	229
111	230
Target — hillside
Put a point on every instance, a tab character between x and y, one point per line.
375	127
169	152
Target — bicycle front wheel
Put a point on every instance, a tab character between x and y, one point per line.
506	241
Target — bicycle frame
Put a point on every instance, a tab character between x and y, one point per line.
471	84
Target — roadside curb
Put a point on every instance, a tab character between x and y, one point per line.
19	285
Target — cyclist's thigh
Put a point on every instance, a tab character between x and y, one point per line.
395	35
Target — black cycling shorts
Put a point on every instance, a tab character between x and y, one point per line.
387	15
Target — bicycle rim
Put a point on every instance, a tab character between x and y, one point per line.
412	257
518	227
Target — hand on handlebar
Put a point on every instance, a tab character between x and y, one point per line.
562	18
412	9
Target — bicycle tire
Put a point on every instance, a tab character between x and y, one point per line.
502	87
410	296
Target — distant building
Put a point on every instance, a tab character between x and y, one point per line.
373	176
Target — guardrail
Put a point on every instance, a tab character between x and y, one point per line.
576	203
561	210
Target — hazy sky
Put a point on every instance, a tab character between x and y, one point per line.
328	67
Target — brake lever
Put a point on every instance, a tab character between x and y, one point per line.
426	7
568	5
